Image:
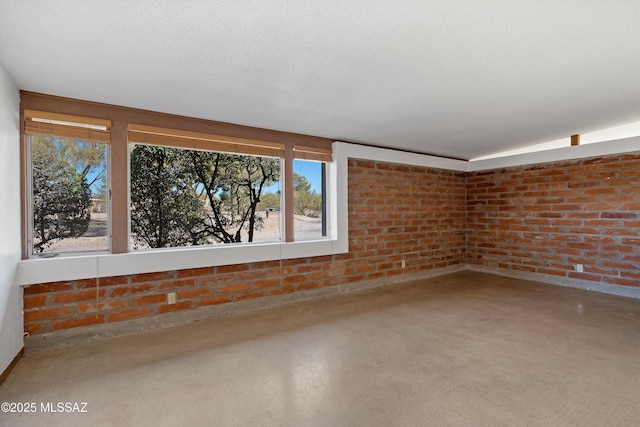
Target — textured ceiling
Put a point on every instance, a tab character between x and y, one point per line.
446	77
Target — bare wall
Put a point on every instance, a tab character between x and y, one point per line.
10	239
548	218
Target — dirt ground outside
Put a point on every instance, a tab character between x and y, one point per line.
95	238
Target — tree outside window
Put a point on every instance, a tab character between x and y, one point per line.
185	197
69	195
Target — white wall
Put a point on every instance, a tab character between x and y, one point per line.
11	325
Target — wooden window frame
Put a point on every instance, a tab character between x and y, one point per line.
120	121
55	125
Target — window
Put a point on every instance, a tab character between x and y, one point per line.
107	184
188	197
68	186
309	198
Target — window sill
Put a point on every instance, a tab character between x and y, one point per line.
77	267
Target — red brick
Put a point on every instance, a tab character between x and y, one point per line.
77	322
552	272
584	230
313	267
193	293
265	264
574	245
94	307
619	232
601	223
176	284
618	248
332	281
231	268
618	199
87	283
133	313
600	239
583	276
34	301
32	328
213	281
113	281
183	305
149	299
48	287
598	206
152	277
273	272
195	272
102	282
250	275
47	313
233	287
68	297
631	275
266	283
618	215
221	299
249	295
286	271
130	290
288	280
282	290
308	285
622	265
620	281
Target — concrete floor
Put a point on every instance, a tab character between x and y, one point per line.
465	349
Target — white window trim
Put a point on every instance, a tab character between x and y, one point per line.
606	148
91	265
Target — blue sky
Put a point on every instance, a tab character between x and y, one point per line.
310	170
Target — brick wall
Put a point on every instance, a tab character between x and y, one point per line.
547	218
396	213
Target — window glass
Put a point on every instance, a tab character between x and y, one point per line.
182	197
309	200
69	195
270	210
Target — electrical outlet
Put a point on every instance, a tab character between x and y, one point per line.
404	264
171	298
579	268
